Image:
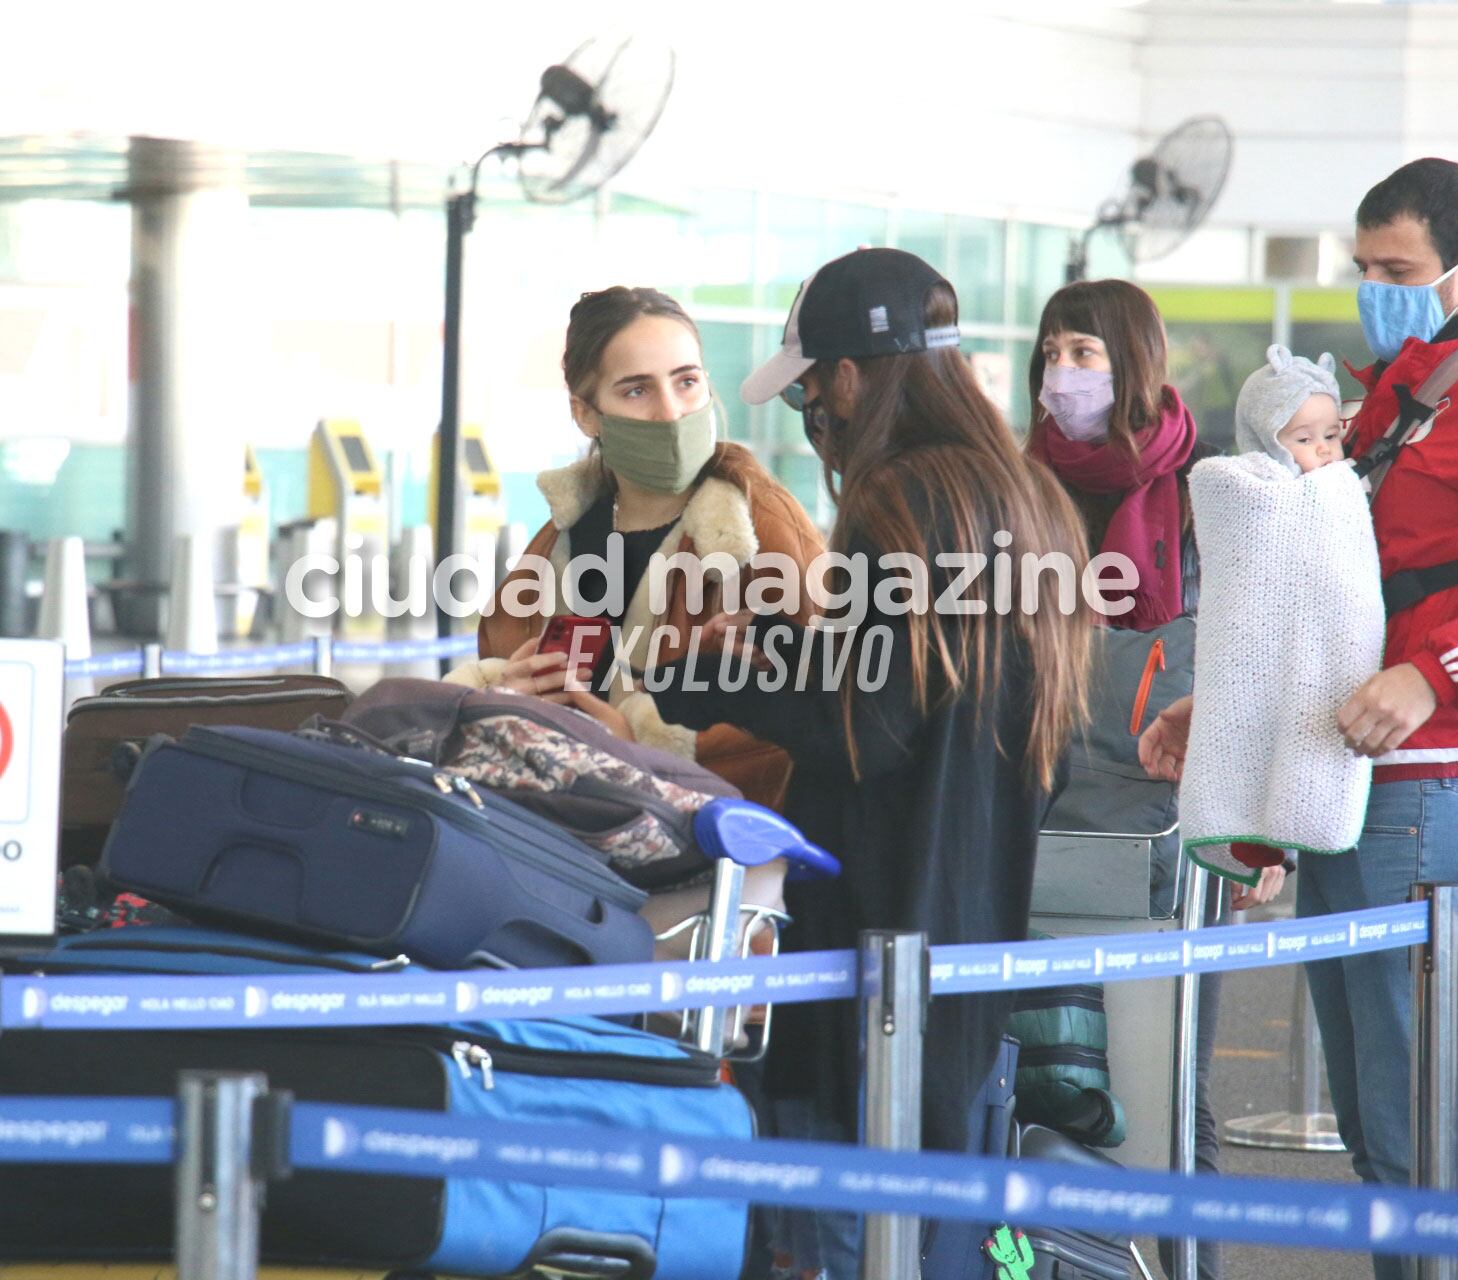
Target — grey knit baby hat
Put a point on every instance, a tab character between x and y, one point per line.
1272	395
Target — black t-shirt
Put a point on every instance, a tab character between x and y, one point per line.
589	537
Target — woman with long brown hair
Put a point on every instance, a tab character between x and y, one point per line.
1122	443
929	780
658	478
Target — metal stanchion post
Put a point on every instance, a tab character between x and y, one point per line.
323	655
894	993
1435	1058
1187	1019
722	929
218	1193
151	661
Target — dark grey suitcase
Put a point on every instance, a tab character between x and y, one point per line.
1060	1253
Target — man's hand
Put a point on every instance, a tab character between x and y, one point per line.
1244	896
1162	745
1386	710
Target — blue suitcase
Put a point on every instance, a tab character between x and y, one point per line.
346	847
557	1071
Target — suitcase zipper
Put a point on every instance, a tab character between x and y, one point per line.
103	943
1146	684
105	701
489	1055
587	873
469	1056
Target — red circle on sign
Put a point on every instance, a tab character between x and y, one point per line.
7	740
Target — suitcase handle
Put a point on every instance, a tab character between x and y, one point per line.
551	923
592	1253
751	835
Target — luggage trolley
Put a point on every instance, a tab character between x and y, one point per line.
1098	882
754	851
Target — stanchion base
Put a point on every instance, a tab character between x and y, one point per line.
1286	1131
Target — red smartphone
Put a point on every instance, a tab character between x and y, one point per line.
590	636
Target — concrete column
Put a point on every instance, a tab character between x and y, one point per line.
189	364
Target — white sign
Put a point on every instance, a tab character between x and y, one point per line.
32	701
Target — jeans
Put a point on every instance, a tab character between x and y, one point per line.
822	1239
1364	1003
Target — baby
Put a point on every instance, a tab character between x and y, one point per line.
1290	410
1290	623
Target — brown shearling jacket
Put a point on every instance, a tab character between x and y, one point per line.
719	519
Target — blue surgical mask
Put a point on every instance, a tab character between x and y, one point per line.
1393	313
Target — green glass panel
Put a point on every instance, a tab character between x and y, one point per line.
1040	265
800	473
720	249
87	496
729	358
1324	306
979	251
925	234
1208	362
1020	350
1343	340
803	235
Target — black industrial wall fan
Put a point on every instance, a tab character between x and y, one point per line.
591	115
1171	191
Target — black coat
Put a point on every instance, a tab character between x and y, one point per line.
938	835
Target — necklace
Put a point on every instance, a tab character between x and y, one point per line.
616	529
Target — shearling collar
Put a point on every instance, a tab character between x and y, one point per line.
717	518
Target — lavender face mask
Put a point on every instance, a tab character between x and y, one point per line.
1080	401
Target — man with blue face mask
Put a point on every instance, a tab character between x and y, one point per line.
1406	716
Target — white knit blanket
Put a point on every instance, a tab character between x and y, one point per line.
1290	623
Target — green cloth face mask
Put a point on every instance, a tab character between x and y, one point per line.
663	456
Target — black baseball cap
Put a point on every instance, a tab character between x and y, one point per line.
869	303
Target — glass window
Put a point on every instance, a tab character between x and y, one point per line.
729	358
803	234
926	235
977	268
1020	352
1217	338
718	262
802	474
1040	264
1326	320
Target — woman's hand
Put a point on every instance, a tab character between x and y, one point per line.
1264	889
1162	745
731	631
603	712
544	675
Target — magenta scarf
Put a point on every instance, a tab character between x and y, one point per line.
1146	527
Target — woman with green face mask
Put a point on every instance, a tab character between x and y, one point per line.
658	474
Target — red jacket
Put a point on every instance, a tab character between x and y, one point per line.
1415	515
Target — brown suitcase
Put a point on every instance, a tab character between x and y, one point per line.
127	714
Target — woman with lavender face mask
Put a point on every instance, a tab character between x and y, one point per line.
1122	443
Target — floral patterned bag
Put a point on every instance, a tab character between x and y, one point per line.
634	804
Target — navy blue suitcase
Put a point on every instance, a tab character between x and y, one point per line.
958	1250
347	847
553	1071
